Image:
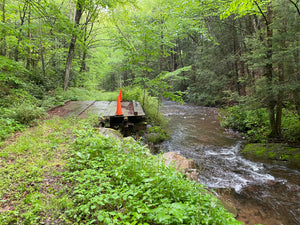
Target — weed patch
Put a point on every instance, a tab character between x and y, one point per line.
119	182
31	175
65	172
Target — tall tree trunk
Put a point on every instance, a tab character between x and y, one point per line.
236	59
4	47
269	71
79	11
86	35
28	63
42	51
22	19
282	70
83	61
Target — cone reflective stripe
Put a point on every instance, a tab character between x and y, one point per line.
119	107
120	94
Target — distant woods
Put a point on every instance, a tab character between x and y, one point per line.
237	52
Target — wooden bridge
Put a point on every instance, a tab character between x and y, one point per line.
132	119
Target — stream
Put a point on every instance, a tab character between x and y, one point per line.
262	192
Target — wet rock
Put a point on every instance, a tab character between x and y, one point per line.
230	208
108	132
181	164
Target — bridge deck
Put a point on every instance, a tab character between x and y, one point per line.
101	108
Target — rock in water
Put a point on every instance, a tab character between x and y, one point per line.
181	164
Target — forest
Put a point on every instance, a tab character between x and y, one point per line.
238	54
241	56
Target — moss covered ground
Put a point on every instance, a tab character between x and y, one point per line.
274	151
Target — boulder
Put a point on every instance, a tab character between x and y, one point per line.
108	132
181	164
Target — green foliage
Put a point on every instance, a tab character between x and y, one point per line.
119	182
253	123
18	116
8	126
16	97
290	126
11	74
156	135
30	174
24	113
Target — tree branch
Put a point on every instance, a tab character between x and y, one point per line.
262	13
295	4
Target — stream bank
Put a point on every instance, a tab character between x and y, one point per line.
277	153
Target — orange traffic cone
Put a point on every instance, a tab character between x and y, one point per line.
119	107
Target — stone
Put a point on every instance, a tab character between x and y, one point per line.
108	132
181	164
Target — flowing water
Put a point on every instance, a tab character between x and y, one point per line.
262	192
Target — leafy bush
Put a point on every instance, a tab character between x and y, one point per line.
290	126
157	135
24	113
8	126
16	97
253	123
119	182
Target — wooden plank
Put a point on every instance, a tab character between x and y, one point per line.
111	109
138	109
76	107
102	108
99	108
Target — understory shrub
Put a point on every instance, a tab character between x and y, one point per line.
290	126
119	182
24	113
156	135
9	126
253	123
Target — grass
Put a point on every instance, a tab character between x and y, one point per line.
65	172
30	174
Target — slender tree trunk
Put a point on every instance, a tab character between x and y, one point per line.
282	72
79	11
4	47
146	73
22	19
29	60
69	62
42	51
269	71
83	60
236	59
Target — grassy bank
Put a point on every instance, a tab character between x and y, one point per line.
64	172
